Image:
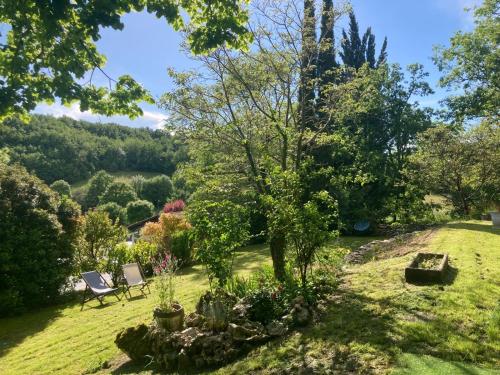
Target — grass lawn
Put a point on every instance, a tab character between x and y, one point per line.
375	324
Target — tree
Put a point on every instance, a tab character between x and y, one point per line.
97	187
50	50
114	211
119	192
219	229
137	183
157	190
470	64
61	187
463	166
242	115
99	236
139	210
38	232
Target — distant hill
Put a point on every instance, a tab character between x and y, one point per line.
63	148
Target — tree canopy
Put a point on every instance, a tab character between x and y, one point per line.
50	48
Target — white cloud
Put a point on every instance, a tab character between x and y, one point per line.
457	8
150	119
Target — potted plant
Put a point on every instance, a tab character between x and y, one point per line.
169	314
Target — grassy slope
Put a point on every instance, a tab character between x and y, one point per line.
64	340
380	324
376	323
123	176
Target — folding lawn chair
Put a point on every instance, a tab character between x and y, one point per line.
98	287
134	277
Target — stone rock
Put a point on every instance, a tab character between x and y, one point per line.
194	320
276	329
135	342
301	315
250	332
240	311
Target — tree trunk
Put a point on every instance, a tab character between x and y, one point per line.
277	244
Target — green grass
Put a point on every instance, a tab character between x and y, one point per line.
65	340
378	324
375	324
122	176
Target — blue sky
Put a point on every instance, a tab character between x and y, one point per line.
148	46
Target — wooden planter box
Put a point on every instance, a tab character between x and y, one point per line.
414	273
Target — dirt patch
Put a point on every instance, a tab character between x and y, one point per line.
417	242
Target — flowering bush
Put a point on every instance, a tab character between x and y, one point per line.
165	268
174	206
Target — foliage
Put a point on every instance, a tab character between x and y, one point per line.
52	53
98	185
61	187
115	212
38	232
137	182
119	192
157	190
219	229
470	64
174	206
161	234
165	268
139	210
460	165
78	149
117	256
143	252
181	244
99	236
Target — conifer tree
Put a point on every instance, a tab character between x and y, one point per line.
370	49
326	49
352	49
382	58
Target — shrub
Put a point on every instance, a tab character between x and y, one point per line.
143	252
174	206
115	211
137	182
219	229
157	190
38	233
139	210
116	257
61	187
182	246
97	186
99	236
118	192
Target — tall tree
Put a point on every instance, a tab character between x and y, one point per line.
370	49
308	57
326	49
50	50
471	63
382	58
352	51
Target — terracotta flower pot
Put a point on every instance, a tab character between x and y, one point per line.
170	320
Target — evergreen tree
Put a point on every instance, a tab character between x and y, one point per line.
326	49
308	66
370	49
382	58
352	48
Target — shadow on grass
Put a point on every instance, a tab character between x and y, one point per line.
475	227
14	330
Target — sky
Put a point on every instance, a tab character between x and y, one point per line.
147	46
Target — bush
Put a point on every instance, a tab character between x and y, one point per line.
139	210
117	256
115	211
174	206
157	190
143	252
38	233
97	186
182	246
61	187
118	192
